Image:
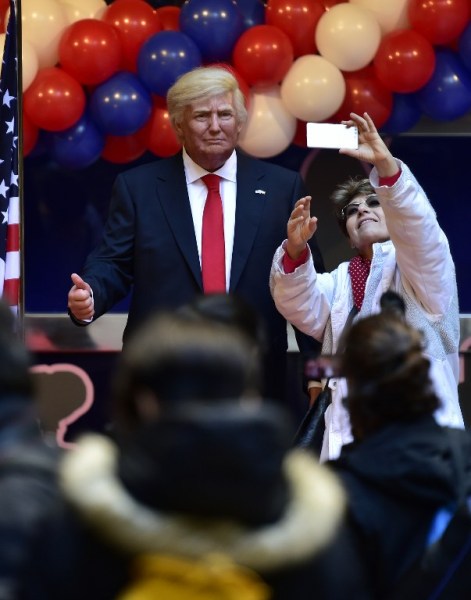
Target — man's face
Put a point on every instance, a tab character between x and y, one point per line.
209	130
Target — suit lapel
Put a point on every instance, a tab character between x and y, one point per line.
250	205
173	196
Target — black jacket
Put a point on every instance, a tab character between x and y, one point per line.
149	247
28	488
396	481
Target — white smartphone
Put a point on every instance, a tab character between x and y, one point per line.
331	135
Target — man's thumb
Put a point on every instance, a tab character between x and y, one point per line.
79	282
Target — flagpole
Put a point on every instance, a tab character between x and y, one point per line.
11	208
21	291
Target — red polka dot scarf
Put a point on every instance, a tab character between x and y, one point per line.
359	269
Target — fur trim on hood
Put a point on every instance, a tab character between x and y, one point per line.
315	509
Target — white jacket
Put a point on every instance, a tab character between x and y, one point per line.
417	264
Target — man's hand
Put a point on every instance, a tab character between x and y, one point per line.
80	300
301	227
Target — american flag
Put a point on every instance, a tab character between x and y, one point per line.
9	189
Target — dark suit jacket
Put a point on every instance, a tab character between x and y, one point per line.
149	243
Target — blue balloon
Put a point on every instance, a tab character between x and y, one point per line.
253	12
120	105
41	145
447	95
404	115
214	25
464	47
76	147
164	57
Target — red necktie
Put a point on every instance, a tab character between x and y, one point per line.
213	260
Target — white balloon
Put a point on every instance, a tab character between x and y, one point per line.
270	128
29	64
83	9
43	22
390	15
313	89
348	36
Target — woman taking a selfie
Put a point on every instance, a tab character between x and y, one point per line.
400	246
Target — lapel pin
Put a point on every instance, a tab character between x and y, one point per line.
260	192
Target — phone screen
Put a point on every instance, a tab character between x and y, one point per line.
331	135
322	367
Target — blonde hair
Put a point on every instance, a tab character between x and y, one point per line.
204	82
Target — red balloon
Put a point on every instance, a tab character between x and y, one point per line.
263	55
122	149
243	85
327	4
4	6
440	21
30	135
136	22
300	138
364	93
169	17
55	100
298	19
404	61
159	135
90	50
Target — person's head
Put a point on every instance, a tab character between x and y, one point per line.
15	378
231	310
207	111
359	215
387	373
175	358
212	460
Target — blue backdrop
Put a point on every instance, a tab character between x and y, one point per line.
65	209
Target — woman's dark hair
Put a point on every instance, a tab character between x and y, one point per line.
388	375
231	310
392	303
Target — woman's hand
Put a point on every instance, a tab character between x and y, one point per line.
371	147
301	227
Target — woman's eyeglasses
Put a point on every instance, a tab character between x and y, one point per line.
351	209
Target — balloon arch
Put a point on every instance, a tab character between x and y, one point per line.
95	76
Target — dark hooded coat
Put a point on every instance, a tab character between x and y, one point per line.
396	480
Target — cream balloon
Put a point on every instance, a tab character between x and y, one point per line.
29	64
348	36
83	9
2	43
43	22
270	128
313	89
390	15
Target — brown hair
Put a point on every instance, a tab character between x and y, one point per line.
344	193
388	375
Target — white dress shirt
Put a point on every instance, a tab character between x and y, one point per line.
197	193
